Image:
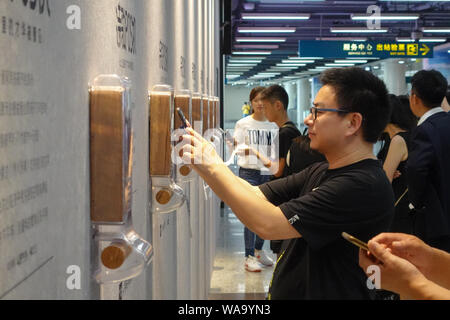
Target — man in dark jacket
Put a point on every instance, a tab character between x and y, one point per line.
428	167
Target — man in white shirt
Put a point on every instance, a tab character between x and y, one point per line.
428	166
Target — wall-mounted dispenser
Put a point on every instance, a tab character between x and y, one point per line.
183	100
197	112
205	115
121	253
165	194
219	134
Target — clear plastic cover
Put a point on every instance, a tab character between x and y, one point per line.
110	149
205	115
120	253
197	112
183	101
123	254
165	194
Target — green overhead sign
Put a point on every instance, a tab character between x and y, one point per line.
367	49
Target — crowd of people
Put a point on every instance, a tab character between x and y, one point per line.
328	181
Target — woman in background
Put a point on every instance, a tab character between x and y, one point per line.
399	128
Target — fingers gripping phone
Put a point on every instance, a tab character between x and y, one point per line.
182	118
355	241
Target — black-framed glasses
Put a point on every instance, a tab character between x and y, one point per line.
315	110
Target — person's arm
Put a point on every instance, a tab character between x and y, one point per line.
396	153
262	217
432	262
399	275
275	167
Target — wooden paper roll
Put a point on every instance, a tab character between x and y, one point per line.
211	113
196	110
115	254
106	154
182	102
217	108
163	196
160	130
185	170
205	107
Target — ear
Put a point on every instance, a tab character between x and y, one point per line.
353	123
278	105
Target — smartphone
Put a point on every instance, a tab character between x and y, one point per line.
182	118
355	241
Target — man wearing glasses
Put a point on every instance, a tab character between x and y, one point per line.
350	192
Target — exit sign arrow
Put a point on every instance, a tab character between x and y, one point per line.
425	49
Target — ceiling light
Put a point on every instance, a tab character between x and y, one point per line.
242	64
339	64
233	76
401	39
281	68
297	61
269	73
416	0
358	39
433	40
251	52
365	58
245	58
429	29
302	58
401	62
244	61
256	46
291	64
350	61
262	39
386	16
357	30
266	30
275	16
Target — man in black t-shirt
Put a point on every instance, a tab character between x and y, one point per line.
350	193
275	101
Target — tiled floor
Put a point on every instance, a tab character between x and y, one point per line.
229	279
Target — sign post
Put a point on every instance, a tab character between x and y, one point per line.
367	49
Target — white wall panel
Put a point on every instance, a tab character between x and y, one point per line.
45	68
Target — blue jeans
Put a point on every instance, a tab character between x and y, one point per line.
251	240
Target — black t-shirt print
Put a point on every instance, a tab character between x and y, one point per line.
321	204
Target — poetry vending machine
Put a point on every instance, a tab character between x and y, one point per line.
166	195
122	252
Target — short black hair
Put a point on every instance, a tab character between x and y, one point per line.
448	94
430	86
360	91
401	114
274	93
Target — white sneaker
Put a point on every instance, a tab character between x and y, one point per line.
252	265
263	258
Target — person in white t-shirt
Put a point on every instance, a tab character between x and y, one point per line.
254	132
